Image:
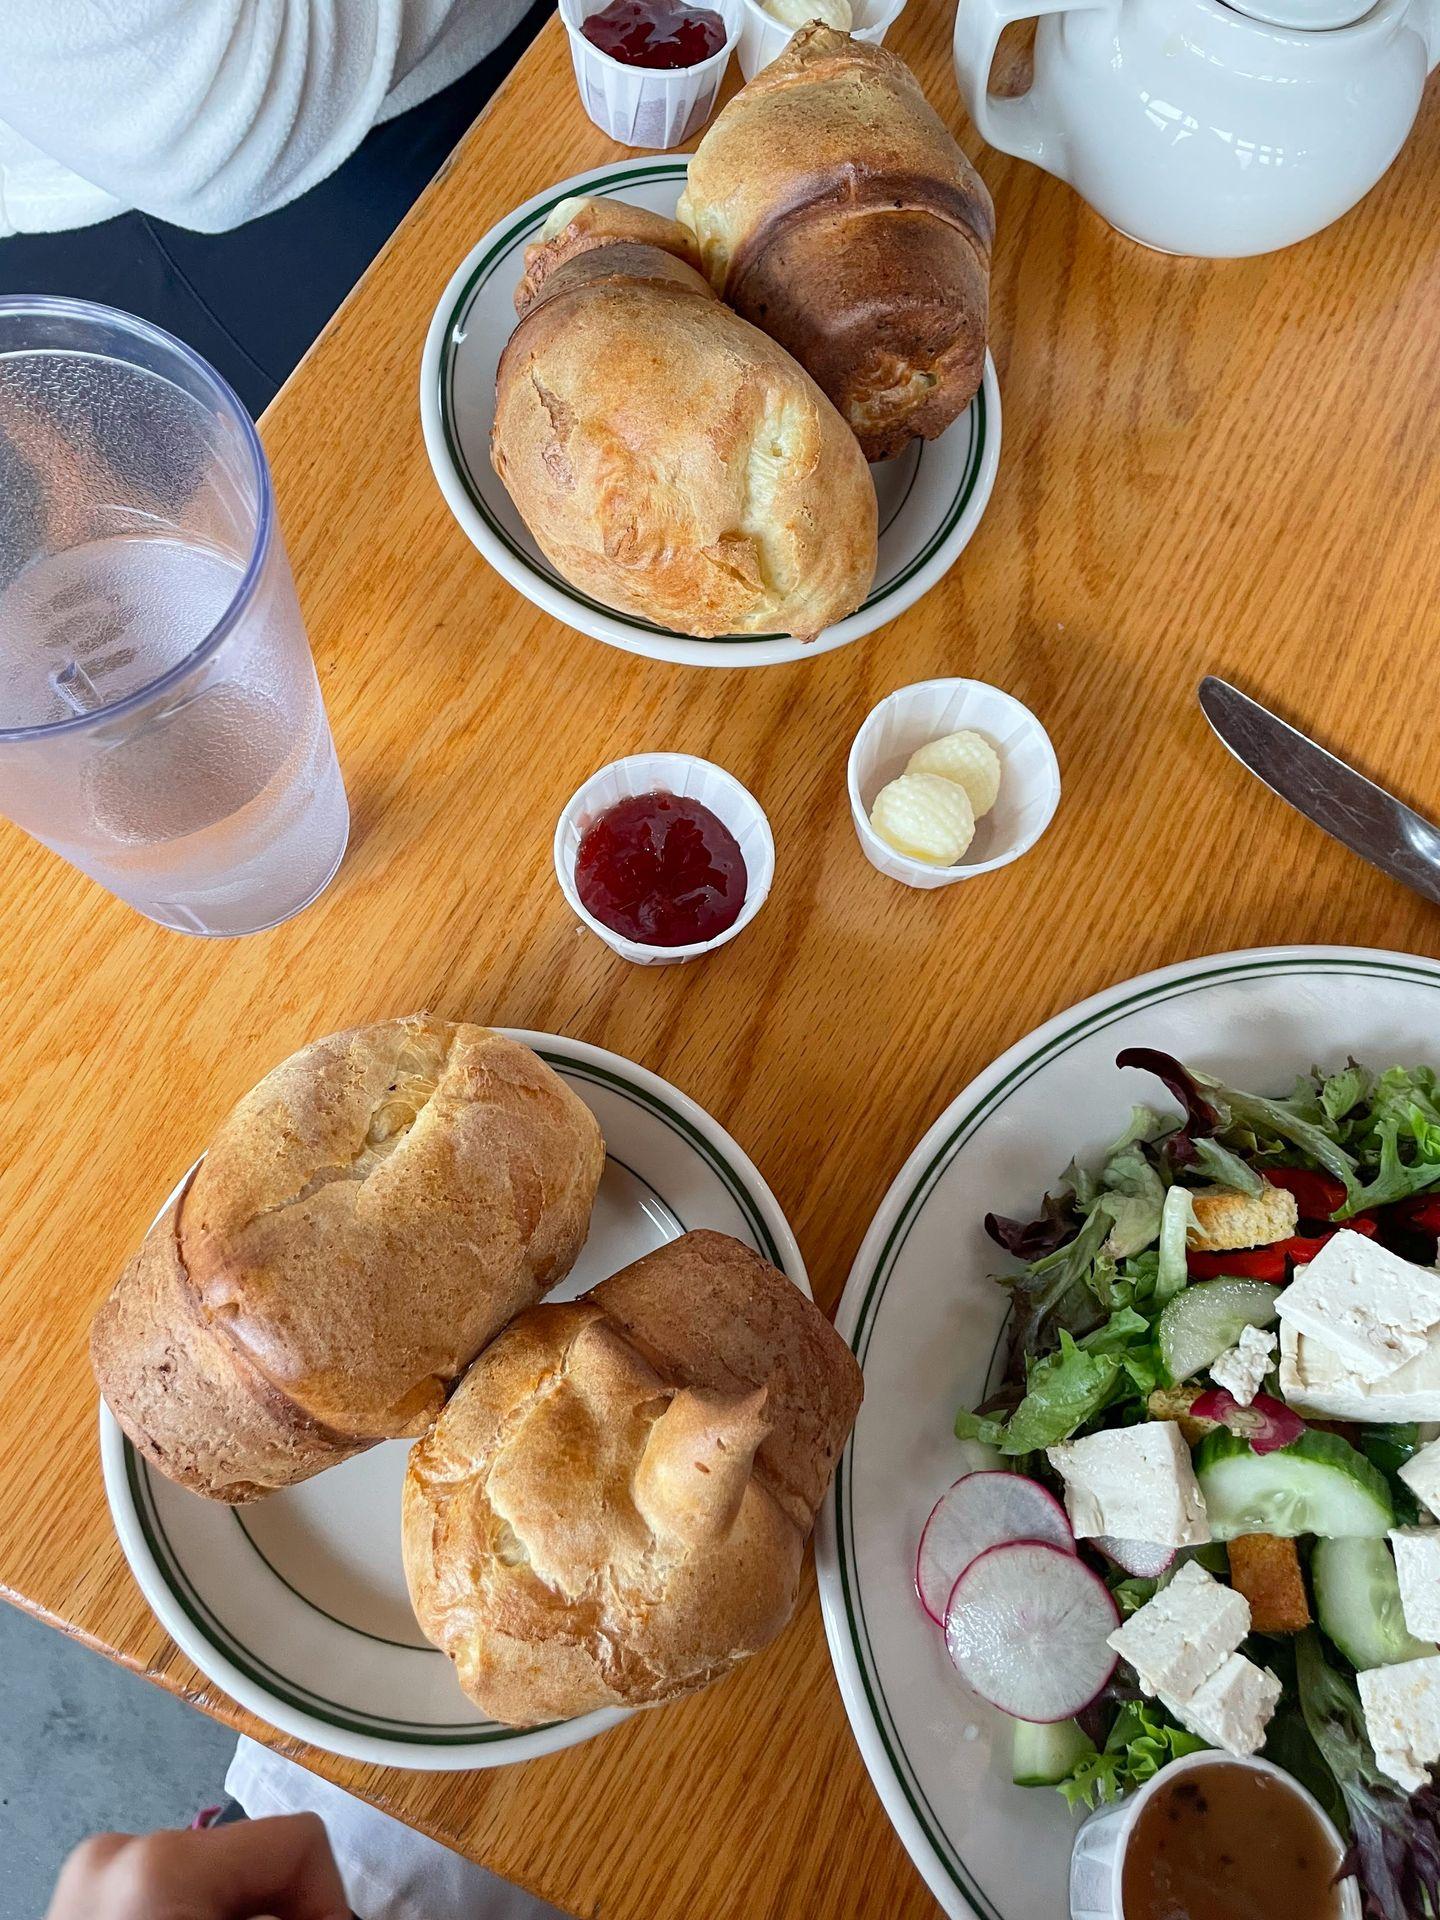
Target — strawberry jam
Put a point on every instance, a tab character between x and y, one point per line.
661	870
655	33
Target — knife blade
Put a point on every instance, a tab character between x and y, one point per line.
1347	806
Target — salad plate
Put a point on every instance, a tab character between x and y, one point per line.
926	1321
931	497
297	1605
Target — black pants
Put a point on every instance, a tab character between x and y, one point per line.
252	300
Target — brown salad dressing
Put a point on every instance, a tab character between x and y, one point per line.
1223	1843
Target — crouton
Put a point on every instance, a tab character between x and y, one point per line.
1227	1221
1267	1572
1174	1403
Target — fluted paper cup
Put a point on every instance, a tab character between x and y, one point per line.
1029	773
763	38
647	106
1097	1866
692	779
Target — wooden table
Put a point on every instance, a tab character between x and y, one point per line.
1206	467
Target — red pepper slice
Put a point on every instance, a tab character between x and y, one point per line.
1271	1263
1246	1263
1421	1214
1317	1195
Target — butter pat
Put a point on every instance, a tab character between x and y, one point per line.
1318	1382
799	13
1136	1482
1242	1370
1402	1718
1421	1474
1176	1641
1367	1305
966	758
1417	1563
925	818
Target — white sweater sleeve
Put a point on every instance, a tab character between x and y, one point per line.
209	112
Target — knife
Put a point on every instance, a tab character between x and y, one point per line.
1350	808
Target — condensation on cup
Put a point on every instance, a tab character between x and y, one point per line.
161	725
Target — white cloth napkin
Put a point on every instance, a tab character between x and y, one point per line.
390	1871
210	112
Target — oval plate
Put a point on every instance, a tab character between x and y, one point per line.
931	496
297	1604
923	1319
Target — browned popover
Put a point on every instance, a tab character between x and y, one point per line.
613	1508
835	210
670	460
368	1216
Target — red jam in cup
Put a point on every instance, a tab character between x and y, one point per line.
655	33
661	870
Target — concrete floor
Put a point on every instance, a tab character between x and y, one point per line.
85	1747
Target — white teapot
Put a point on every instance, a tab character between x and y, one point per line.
1202	127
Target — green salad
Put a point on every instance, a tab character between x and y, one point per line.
1207	1516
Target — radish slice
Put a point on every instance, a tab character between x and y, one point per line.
1267	1424
1142	1558
982	1510
1026	1628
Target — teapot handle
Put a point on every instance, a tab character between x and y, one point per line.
1011	126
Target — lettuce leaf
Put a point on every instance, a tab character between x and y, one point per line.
1139	1744
1395	1837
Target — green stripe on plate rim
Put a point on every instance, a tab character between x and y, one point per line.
291	1693
924	1185
517	230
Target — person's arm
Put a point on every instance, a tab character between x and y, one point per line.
282	1867
207	112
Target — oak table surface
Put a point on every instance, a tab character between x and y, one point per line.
1206	467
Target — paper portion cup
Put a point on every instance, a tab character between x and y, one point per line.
1029	773
656	107
763	39
1097	1866
692	779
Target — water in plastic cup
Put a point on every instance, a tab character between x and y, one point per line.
161	725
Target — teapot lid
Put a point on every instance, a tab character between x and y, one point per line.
1305	15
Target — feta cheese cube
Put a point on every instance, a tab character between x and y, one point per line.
1242	1370
1370	1307
1178	1639
1421	1473
1417	1562
1136	1482
1316	1381
1232	1708
1402	1717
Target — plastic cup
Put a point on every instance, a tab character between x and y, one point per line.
161	725
1097	1866
763	38
656	107
693	779
912	716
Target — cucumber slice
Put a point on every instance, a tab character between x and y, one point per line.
1205	1321
1318	1484
1357	1601
1044	1755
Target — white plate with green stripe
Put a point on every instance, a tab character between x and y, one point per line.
931	497
924	1318
296	1605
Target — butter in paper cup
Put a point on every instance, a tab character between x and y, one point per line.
658	107
763	38
912	716
692	779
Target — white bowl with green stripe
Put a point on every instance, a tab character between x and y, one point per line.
924	1320
931	497
296	1605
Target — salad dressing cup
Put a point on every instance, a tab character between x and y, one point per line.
1097	1866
